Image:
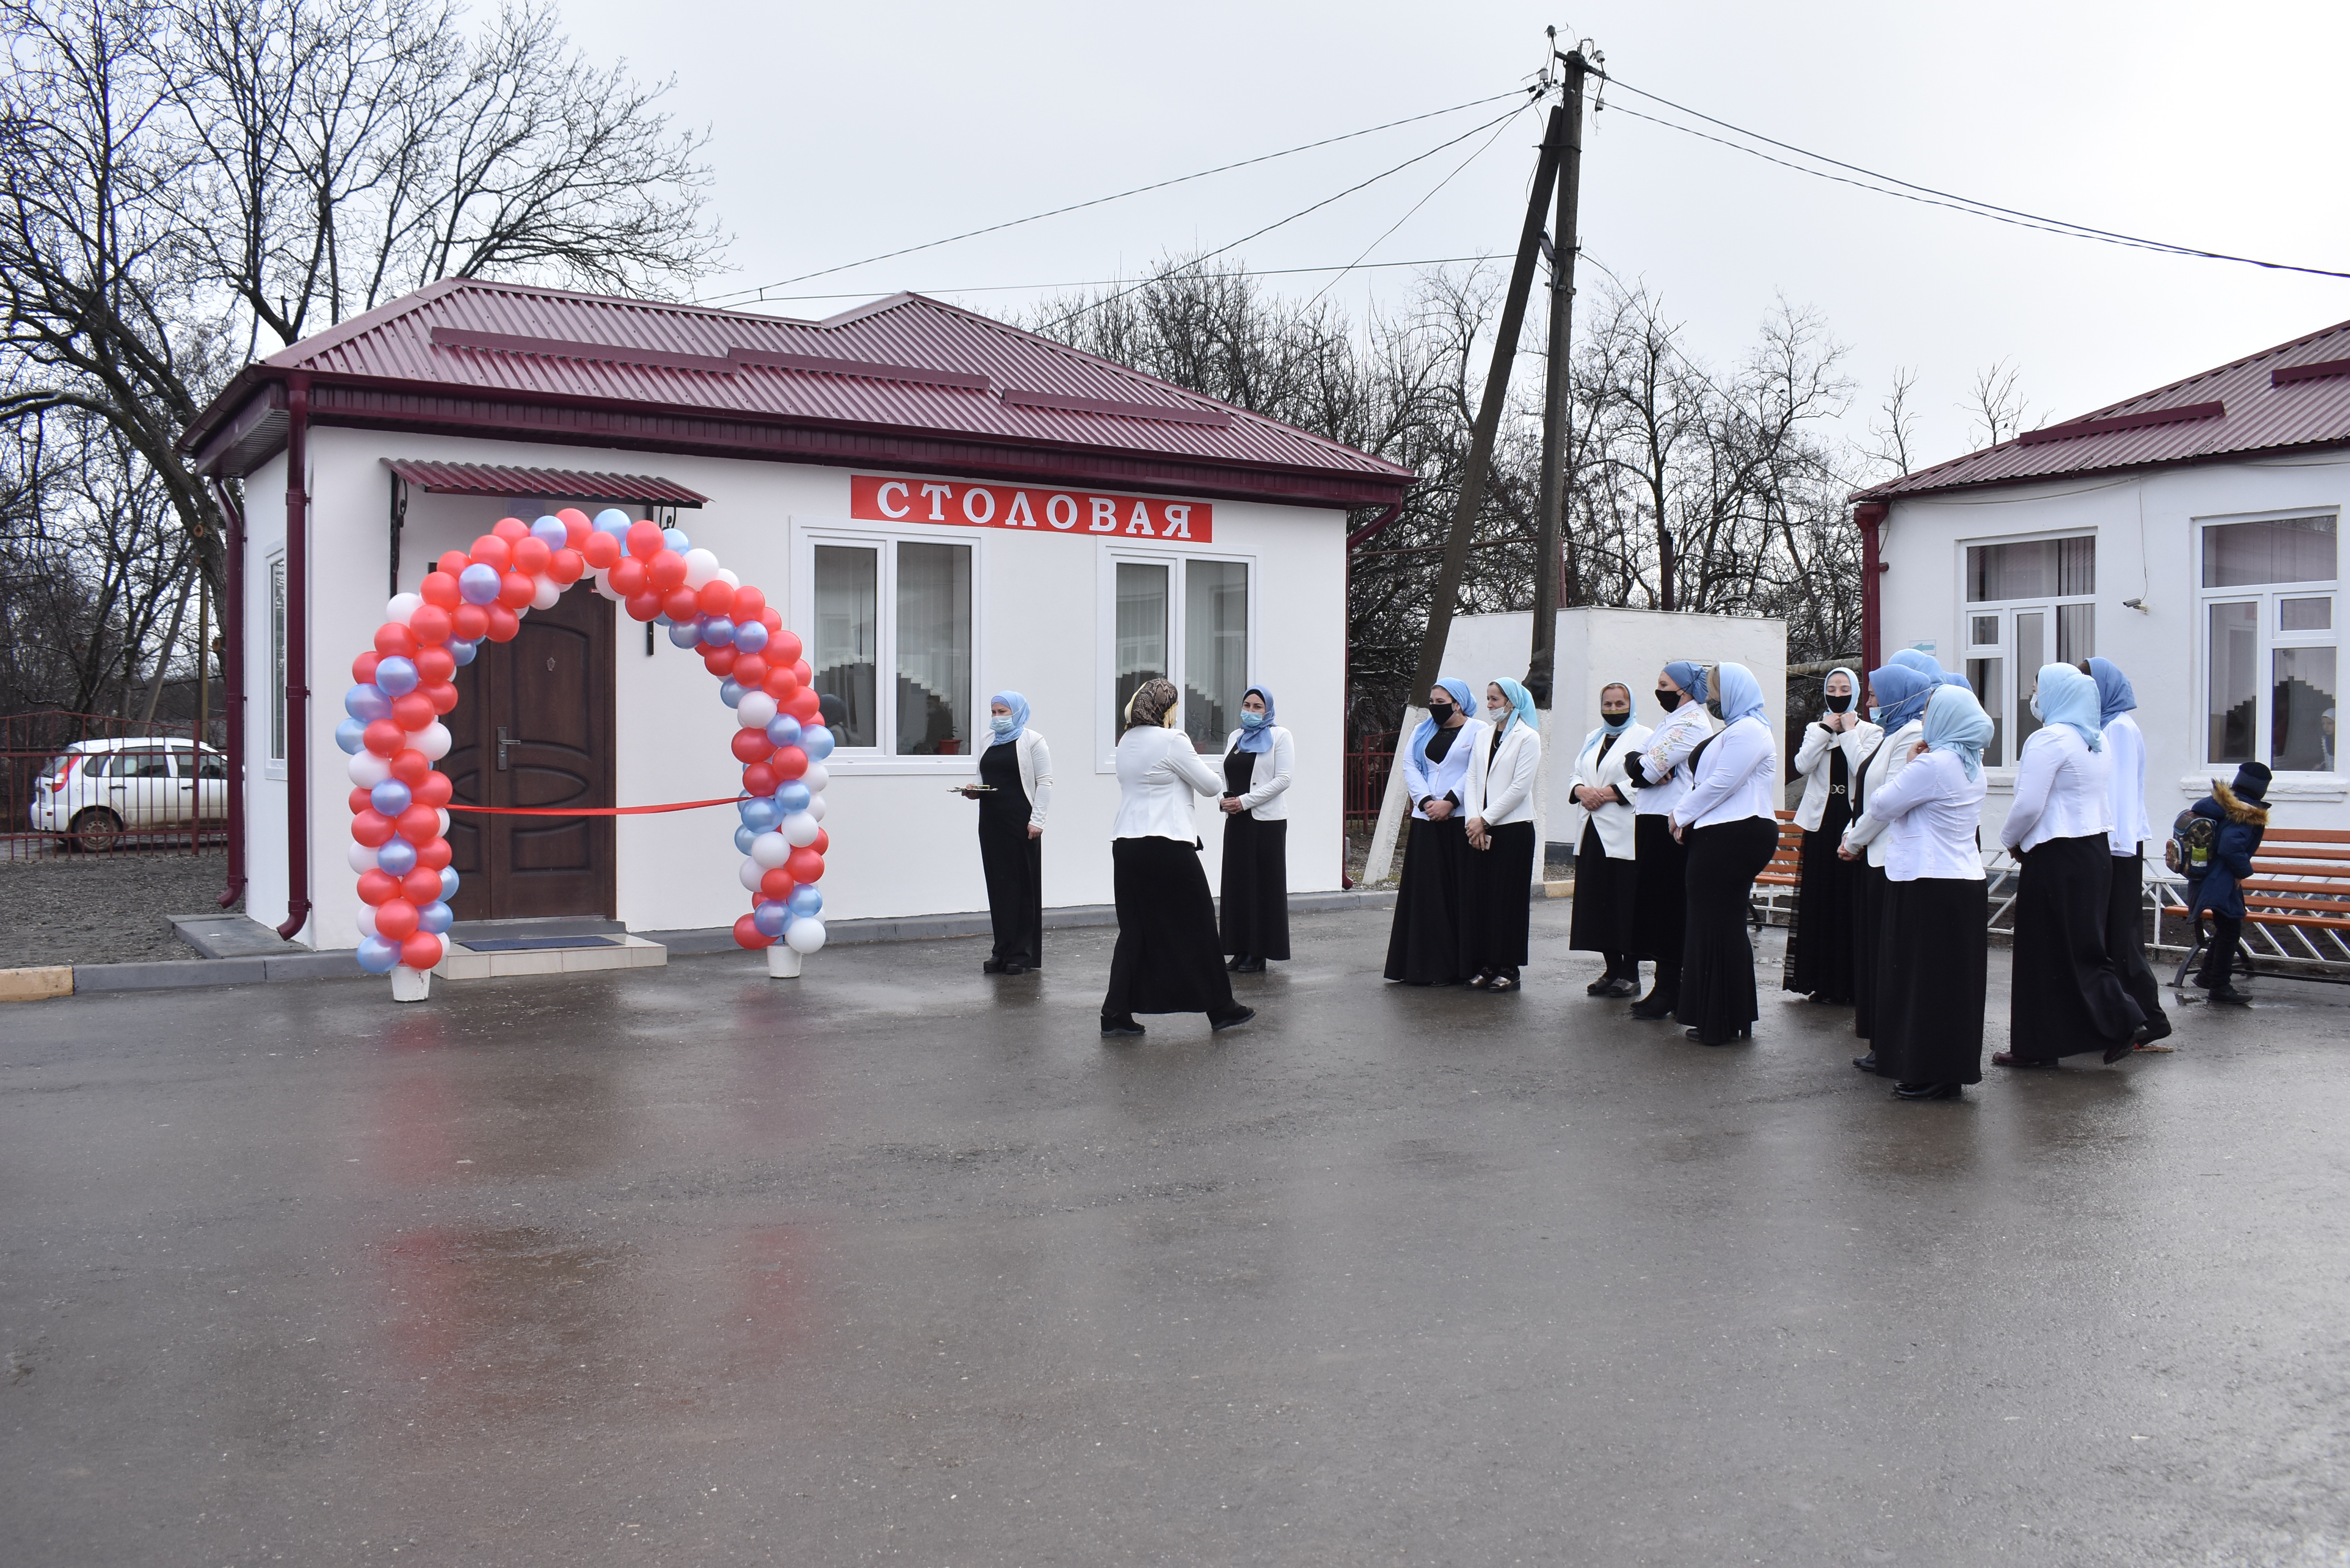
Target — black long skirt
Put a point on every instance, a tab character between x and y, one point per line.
1820	945
1605	893
1717	994
1424	942
1167	959
1660	906
1930	999
2126	934
1254	914
1015	864
1867	945
1496	914
2067	997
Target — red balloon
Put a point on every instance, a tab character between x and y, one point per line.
781	684
804	705
411	711
470	622
361	799
433	789
420	951
376	886
772	619
363	667
748	603
372	828
567	567
409	765
679	605
789	761
645	540
806	866
823	844
514	590
391	639
748	934
418	823
435	664
599	550
719	661
576	524
452	566
776	884
715	596
419	886
435	854
751	746
396	919
440	588
644	606
430	625
629	579
491	551
441	694
531	555
800	667
751	670
513	530
760	779
385	736
667	570
504	623
783	646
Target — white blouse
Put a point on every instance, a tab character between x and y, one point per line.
2060	791
1158	775
1927	820
2125	790
1733	777
1433	781
1883	768
1669	747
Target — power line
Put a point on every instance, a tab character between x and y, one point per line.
1926	195
760	293
1415	207
1357	265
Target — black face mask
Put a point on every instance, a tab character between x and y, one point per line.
1669	700
1840	704
1442	712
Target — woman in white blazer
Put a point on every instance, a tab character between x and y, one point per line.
1167	959
1259	760
1605	881
1494	917
1820	948
1424	941
1015	786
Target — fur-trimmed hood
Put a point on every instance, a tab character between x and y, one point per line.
2239	809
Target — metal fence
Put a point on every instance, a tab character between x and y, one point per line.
58	800
1366	774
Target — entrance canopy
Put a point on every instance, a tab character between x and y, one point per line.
542	483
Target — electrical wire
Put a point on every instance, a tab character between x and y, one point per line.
760	293
1107	281
1415	206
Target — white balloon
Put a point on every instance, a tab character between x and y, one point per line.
604	586
433	741
755	711
770	850
816	807
545	593
805	935
368	770
798	829
362	860
367	922
700	565
729	578
443	812
750	873
401	606
816	778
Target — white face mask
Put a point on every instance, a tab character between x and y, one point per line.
2035	705
1495	710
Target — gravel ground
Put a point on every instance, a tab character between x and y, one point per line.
104	908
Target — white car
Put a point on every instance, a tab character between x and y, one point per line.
98	791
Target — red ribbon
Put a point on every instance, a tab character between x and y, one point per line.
593	810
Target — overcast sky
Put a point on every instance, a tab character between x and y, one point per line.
841	131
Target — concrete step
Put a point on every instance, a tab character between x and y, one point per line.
218	936
506	954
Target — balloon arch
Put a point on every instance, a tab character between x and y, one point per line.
400	802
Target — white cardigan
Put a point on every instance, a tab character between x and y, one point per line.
1615	820
1035	773
1501	782
1269	779
1158	775
1812	761
1891	756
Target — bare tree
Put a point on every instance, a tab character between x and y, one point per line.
1893	431
1995	405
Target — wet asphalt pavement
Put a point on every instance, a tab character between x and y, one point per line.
903	1264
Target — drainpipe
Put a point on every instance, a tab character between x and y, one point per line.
231	625
1346	607
1869	518
297	654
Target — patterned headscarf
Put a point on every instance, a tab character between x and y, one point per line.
1152	706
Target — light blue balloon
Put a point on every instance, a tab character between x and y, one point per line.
435	918
613	520
551	532
396	675
805	902
782	730
478	583
730	691
793	797
389	797
448	883
817	742
378	955
717	631
397	856
462	650
744	837
367	703
759	813
771	917
682	634
348	735
677	540
751	636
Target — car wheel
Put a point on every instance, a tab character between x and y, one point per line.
96	830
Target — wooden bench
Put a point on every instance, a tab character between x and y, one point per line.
1775	886
2296	906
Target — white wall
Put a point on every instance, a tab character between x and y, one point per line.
900	843
2147	550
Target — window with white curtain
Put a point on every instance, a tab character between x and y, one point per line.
1187	618
277	659
2029	602
900	605
2270	642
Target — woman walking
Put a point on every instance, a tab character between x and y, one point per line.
1424	944
1605	881
1901	692
1930	1000
1728	825
1015	786
1167	959
1254	913
1494	909
2126	803
2067	997
1821	946
1659	771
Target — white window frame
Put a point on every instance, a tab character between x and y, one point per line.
2008	705
1111	552
2269	597
277	721
884	538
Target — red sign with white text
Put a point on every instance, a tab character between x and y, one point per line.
873	499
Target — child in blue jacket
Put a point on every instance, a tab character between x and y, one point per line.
2241	818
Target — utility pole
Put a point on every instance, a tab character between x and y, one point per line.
1542	669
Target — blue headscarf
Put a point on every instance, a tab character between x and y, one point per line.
1742	694
2115	697
1522	707
1901	693
1261	738
1923	663
1019	706
1689	677
1461	699
2069	698
1955	721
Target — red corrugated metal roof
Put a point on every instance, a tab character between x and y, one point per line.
542	483
2252	405
904	364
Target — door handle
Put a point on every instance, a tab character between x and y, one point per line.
502	745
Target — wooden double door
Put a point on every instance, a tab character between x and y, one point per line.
532	727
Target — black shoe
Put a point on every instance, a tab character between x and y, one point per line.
991	967
1233	1019
2156	1028
1126	1025
1622	986
1013	966
1237	960
1925	1092
1658	1003
1865	1063
1603	986
1248	966
1825	1000
2228	993
1700	1038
